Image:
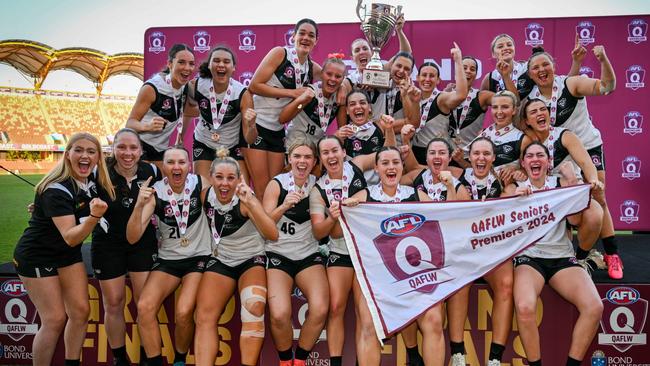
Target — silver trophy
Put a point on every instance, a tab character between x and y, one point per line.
378	25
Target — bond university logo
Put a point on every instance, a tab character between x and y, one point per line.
633	123
157	42
412	250
629	211
17	317
637	30
534	35
247	40
586	31
634	76
624	316
201	41
631	168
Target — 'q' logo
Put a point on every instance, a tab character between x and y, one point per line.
631	168
201	41
157	42
633	123
288	38
634	76
586	32
412	250
629	211
247	40
636	31
623	320
534	35
245	78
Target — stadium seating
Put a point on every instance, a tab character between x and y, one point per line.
21	118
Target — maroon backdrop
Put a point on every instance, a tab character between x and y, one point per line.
618	116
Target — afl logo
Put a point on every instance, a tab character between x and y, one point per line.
623	295
586	71
402	224
629	211
245	78
634	76
201	41
636	31
288	38
534	35
633	122
157	42
247	41
14	288
586	31
631	168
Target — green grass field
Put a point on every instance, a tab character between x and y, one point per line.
14	197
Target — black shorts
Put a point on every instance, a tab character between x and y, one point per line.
115	259
216	266
547	267
180	267
291	267
201	151
420	154
269	140
597	157
339	260
26	268
149	153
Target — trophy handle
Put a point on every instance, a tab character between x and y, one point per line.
399	10
359	8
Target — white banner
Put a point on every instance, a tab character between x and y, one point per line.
410	256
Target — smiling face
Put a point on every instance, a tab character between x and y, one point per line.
361	53
224	181
221	66
305	38
358	108
332	155
470	69
438	157
389	168
503	111
536	162
481	156
428	78
537	116
127	150
82	157
333	75
541	70
401	69
181	67
176	167
504	49
302	161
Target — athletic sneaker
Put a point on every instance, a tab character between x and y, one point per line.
458	359
494	363
286	363
593	262
614	266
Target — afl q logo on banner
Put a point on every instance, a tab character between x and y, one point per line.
412	250
534	35
633	123
17	316
586	31
634	76
624	316
629	211
637	30
247	41
288	38
245	78
631	168
201	41
157	42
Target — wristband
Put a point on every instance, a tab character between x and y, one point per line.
97	217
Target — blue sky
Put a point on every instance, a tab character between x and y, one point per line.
118	25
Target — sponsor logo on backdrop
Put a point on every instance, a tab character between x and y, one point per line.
637	30
631	168
288	38
586	71
633	123
586	31
17	317
534	35
634	76
157	42
201	41
245	78
299	302
629	211
623	320
411	254
14	352
247	40
598	358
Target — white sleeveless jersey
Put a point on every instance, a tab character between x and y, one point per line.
404	193
296	240
197	234
168	105
437	125
231	122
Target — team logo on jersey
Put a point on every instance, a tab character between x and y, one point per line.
534	35
586	71
632	122
204	104
168	211
586	31
288	72
259	259
629	211
562	102
197	152
247	40
507	148
288	38
275	261
412	250
166	104
623	320
631	168
201	41
245	78
357	183
374	140
356	145
157	42
634	76
637	30
596	159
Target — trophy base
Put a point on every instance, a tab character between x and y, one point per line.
376	78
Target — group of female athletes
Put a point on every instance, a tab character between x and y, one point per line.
211	234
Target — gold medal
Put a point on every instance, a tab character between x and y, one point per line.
355	128
185	241
215	137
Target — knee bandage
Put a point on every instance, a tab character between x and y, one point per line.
252	297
